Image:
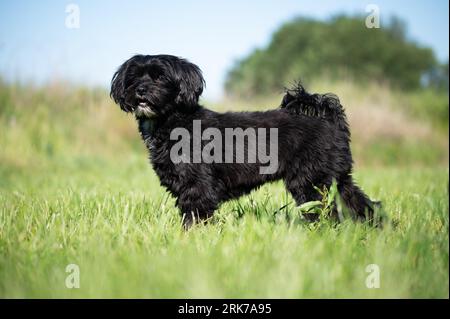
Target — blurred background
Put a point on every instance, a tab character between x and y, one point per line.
76	186
388	63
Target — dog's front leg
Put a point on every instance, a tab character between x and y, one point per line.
193	216
195	209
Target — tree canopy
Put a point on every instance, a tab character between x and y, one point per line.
343	46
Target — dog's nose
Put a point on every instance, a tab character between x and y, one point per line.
140	91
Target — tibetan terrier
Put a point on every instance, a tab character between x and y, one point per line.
308	139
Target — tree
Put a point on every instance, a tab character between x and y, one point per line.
305	49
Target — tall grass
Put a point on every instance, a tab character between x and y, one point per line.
76	188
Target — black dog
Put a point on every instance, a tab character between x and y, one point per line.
312	139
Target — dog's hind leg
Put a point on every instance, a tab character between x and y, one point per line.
359	205
303	191
304	194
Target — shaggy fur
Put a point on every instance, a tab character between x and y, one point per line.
313	138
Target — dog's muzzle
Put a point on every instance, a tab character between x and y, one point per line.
143	110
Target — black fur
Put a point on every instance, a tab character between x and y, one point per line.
313	138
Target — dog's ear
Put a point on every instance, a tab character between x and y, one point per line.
117	92
287	98
190	82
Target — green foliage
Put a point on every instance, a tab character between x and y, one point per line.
76	188
437	77
341	47
321	208
431	105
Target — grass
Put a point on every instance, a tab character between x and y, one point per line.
76	188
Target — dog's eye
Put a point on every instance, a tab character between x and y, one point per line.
155	76
154	72
138	72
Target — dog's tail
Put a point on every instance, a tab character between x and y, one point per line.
326	106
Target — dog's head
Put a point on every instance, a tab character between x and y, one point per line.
155	85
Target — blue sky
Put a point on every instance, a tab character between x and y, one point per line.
35	44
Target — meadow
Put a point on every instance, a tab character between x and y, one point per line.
76	188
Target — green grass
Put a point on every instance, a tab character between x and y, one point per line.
124	233
76	188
